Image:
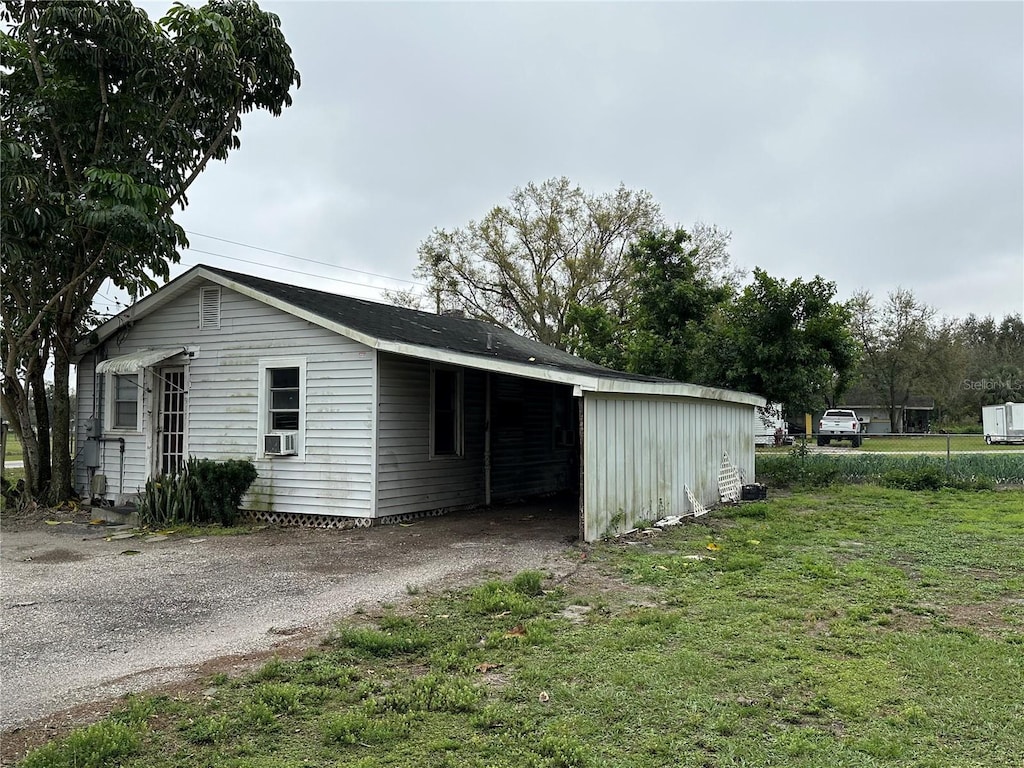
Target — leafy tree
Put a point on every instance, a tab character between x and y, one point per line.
988	366
523	265
711	257
895	341
108	118
673	294
785	340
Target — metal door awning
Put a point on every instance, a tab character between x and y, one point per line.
136	361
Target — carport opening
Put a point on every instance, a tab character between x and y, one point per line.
532	443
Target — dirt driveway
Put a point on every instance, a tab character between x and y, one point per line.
85	619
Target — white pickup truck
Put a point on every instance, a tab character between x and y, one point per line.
839	424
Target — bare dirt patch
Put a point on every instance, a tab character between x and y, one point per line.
52	556
985	618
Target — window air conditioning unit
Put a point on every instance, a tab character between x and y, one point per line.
279	444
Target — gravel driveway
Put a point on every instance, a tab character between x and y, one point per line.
85	618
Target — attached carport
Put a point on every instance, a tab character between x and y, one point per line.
629	447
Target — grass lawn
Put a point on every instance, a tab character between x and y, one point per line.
915	443
13	452
854	626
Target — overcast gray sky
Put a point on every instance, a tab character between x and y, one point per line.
875	144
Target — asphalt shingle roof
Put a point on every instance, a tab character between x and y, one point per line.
411	326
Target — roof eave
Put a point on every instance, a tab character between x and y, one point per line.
595	382
612	385
140	309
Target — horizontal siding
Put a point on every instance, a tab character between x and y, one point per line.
640	452
125	475
524	461
335	475
85	392
408	479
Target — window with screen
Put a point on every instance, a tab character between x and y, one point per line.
124	407
284	400
282	407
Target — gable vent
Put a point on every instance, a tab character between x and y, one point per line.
209	307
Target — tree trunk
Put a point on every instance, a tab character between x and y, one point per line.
61	485
37	391
17	402
893	418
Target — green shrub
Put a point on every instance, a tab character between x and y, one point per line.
13	494
207	730
204	491
280	698
966	471
220	486
973	483
798	468
923	478
562	751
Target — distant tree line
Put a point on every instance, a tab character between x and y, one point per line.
962	364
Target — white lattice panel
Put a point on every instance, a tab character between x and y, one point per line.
696	508
729	483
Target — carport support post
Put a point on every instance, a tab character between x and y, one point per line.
487	439
582	462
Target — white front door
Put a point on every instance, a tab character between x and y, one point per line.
170	419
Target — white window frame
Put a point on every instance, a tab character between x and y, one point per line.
263	418
460	411
109	412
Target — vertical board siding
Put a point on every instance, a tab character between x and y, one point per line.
334	477
640	452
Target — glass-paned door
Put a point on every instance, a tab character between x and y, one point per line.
171	419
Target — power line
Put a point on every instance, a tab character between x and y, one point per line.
285	269
116	305
302	258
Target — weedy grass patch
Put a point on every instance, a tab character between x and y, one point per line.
798	468
850	626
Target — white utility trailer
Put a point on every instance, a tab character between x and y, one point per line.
1003	423
768	423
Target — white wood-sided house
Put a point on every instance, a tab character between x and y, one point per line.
355	411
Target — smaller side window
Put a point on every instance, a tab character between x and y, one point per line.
281	420
124	407
284	398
